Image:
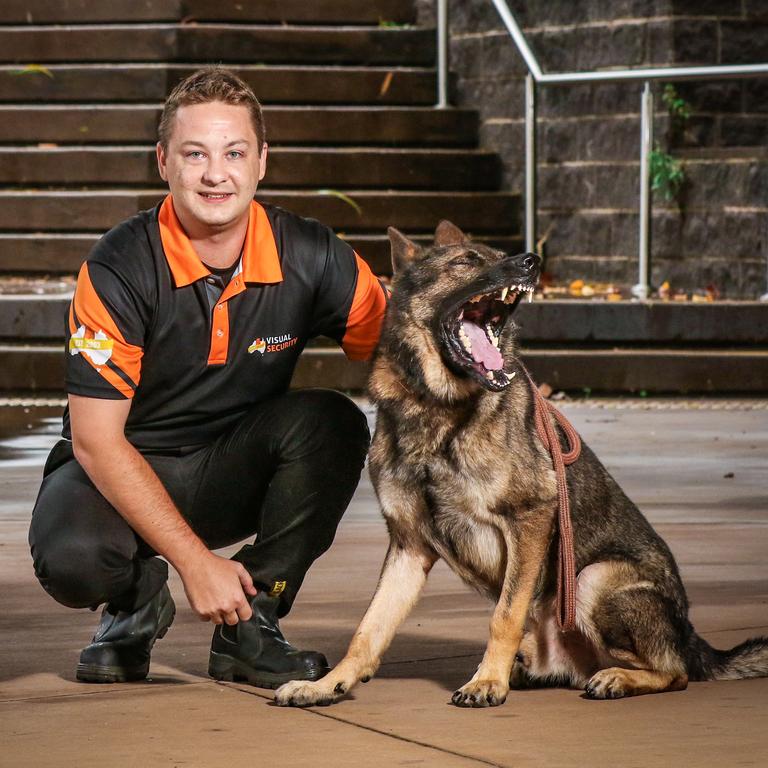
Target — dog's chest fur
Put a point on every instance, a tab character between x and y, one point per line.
449	475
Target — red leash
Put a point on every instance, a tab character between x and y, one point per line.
566	571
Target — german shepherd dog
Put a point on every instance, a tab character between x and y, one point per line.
461	474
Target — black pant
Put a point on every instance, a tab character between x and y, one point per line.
285	473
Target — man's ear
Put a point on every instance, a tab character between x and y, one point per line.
449	234
404	251
263	160
160	152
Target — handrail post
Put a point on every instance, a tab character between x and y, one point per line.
642	290
442	54
530	163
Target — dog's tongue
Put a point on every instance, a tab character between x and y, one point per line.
482	350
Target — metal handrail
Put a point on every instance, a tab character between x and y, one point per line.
536	77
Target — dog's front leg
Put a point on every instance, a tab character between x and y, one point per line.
526	548
401	582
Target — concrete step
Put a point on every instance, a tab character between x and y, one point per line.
137	123
217	42
550	322
278	11
96	211
584	322
297	84
33	368
60	253
438	169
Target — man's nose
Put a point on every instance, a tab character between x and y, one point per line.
215	172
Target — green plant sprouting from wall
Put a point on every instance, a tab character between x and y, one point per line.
667	175
667	172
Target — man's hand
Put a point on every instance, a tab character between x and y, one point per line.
217	589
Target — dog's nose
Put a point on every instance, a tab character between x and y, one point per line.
531	261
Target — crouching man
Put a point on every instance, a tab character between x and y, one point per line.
180	434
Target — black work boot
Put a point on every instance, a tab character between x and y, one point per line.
256	651
119	651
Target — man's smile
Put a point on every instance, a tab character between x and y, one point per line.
215	197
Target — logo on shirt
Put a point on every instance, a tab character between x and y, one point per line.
272	343
259	345
98	348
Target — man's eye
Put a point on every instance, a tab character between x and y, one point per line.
234	154
195	155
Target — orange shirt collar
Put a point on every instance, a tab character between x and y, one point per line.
261	263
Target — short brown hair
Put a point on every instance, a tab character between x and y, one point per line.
206	85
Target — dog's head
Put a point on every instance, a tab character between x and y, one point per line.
451	307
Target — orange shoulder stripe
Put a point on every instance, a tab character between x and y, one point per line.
365	315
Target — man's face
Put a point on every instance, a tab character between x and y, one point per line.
212	166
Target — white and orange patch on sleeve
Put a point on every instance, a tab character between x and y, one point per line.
96	337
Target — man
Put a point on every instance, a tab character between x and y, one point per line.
180	434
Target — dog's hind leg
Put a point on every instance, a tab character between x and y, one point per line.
640	636
618	682
526	549
402	578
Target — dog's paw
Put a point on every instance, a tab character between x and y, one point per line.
608	684
300	693
481	693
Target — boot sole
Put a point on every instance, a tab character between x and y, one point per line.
103	673
230	670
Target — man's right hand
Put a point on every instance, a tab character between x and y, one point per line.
218	589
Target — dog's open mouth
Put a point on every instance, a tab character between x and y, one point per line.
472	333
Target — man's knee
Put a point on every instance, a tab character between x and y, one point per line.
81	554
73	572
332	418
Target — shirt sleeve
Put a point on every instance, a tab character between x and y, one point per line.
105	333
350	301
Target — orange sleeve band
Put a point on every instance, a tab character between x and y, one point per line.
88	309
365	316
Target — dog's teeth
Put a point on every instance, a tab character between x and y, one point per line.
489	375
504	292
530	295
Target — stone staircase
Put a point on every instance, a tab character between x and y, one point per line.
348	89
354	139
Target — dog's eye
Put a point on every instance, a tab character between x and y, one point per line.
467	259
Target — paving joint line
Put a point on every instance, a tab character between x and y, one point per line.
434	658
734	629
104	692
397	737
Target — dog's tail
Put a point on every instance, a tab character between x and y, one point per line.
748	659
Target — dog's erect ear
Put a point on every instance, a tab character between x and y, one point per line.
404	251
449	234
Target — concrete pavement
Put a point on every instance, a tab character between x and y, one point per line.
698	469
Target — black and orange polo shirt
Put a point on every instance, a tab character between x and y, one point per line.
141	326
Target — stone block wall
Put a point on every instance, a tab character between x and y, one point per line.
589	136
